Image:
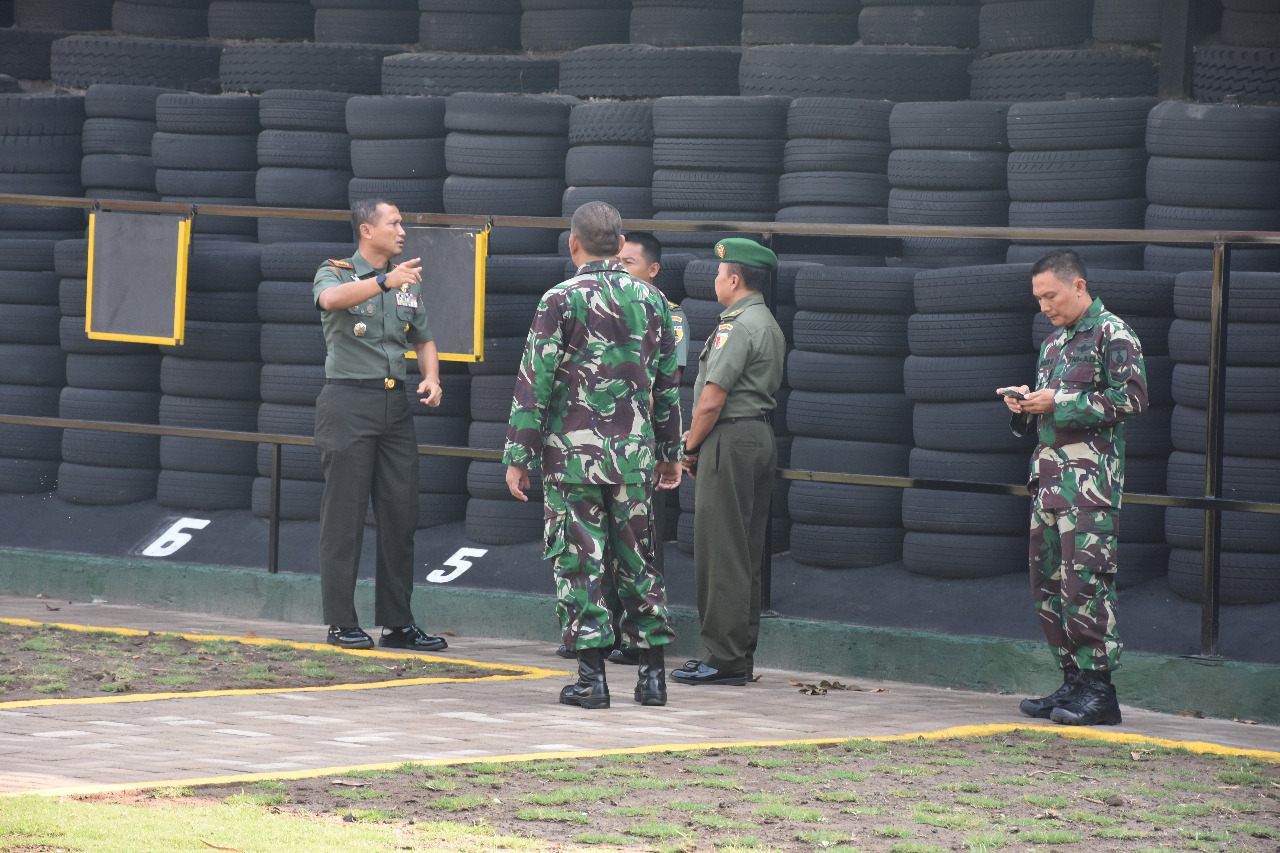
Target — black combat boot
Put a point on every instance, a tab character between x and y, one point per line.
651	687
1044	706
1094	703
590	690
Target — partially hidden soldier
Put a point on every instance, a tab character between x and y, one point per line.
372	312
600	349
730	449
1089	380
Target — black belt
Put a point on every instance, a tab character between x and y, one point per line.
764	418
375	384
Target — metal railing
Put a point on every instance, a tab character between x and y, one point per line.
1212	502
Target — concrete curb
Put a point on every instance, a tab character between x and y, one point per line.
1168	683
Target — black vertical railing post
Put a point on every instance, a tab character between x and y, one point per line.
273	542
1212	555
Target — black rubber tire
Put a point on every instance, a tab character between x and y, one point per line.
204	490
522	274
976	426
481	112
28	364
292	343
299	499
218	341
839	118
1203	182
298	262
367	26
472	32
630	202
1006	467
503	522
23	255
22	476
848	416
969	334
1101	256
1252	296
642	71
209	456
950	126
73	339
508	315
939	379
679	25
1245	478
118	171
287	302
937	511
411	195
103	486
1250	29
29	324
1178	217
1134	293
694	117
501	355
1248	389
699	283
611	123
848	457
204	114
1177	129
488	155
1034	24
1107	213
14	217
1077	175
748	155
280	419
18	287
199	182
448	73
1133	21
139	407
157	21
218	266
941	169
864	334
138	103
30	153
840	504
961	556
247	20
817	371
31	442
291	384
1048	75
1248	344
221	380
278	186
222	307
1080	124
1249	74
79	61
296	462
491	397
920	24
948	207
394	117
943	252
204	151
1241	531
509	196
676	190
1244	433
995	287
354	68
871	71
139	372
826	155
24	55
1244	578
834	188
309	149
46	115
398	158
799	27
563	29
832	547
30	400
1152	331
1177	259
487	480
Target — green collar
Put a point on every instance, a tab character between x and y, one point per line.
741	305
1090	318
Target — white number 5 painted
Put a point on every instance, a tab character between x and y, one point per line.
174	538
460	564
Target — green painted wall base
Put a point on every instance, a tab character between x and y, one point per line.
1219	688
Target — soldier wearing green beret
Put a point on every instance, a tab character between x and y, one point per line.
730	449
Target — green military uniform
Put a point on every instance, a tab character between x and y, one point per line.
679	325
737	463
368	448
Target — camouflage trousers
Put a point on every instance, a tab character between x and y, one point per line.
1073	572
598	531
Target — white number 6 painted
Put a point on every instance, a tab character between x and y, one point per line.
174	538
460	564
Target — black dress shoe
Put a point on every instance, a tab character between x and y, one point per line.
1043	707
349	638
411	637
625	655
566	652
703	674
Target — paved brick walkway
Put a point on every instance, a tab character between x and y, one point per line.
175	740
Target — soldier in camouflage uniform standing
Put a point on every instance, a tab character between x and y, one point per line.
600	348
1089	379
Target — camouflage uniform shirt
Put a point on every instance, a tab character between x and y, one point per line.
599	344
1098	378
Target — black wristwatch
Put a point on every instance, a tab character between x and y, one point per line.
381	281
691	450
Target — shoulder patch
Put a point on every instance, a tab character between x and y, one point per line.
340	264
725	326
671	305
734	313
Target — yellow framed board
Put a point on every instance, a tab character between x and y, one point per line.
137	277
453	261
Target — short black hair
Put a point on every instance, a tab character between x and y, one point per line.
598	227
365	211
650	246
1065	264
753	278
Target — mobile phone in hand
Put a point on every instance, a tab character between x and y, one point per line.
1013	392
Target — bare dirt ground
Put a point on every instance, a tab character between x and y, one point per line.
1021	791
44	662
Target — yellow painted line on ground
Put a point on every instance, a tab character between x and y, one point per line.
939	734
526	672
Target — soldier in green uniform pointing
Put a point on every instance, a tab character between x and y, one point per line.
1089	380
372	312
597	405
730	449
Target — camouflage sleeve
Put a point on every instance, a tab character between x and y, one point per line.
542	354
666	394
1121	393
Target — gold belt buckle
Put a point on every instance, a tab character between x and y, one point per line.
388	384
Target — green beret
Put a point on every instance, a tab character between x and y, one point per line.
738	250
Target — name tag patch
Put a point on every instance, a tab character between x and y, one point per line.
406	300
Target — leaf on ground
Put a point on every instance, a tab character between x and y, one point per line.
1199	715
1246	722
47	607
220	847
821	688
350	783
250	634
